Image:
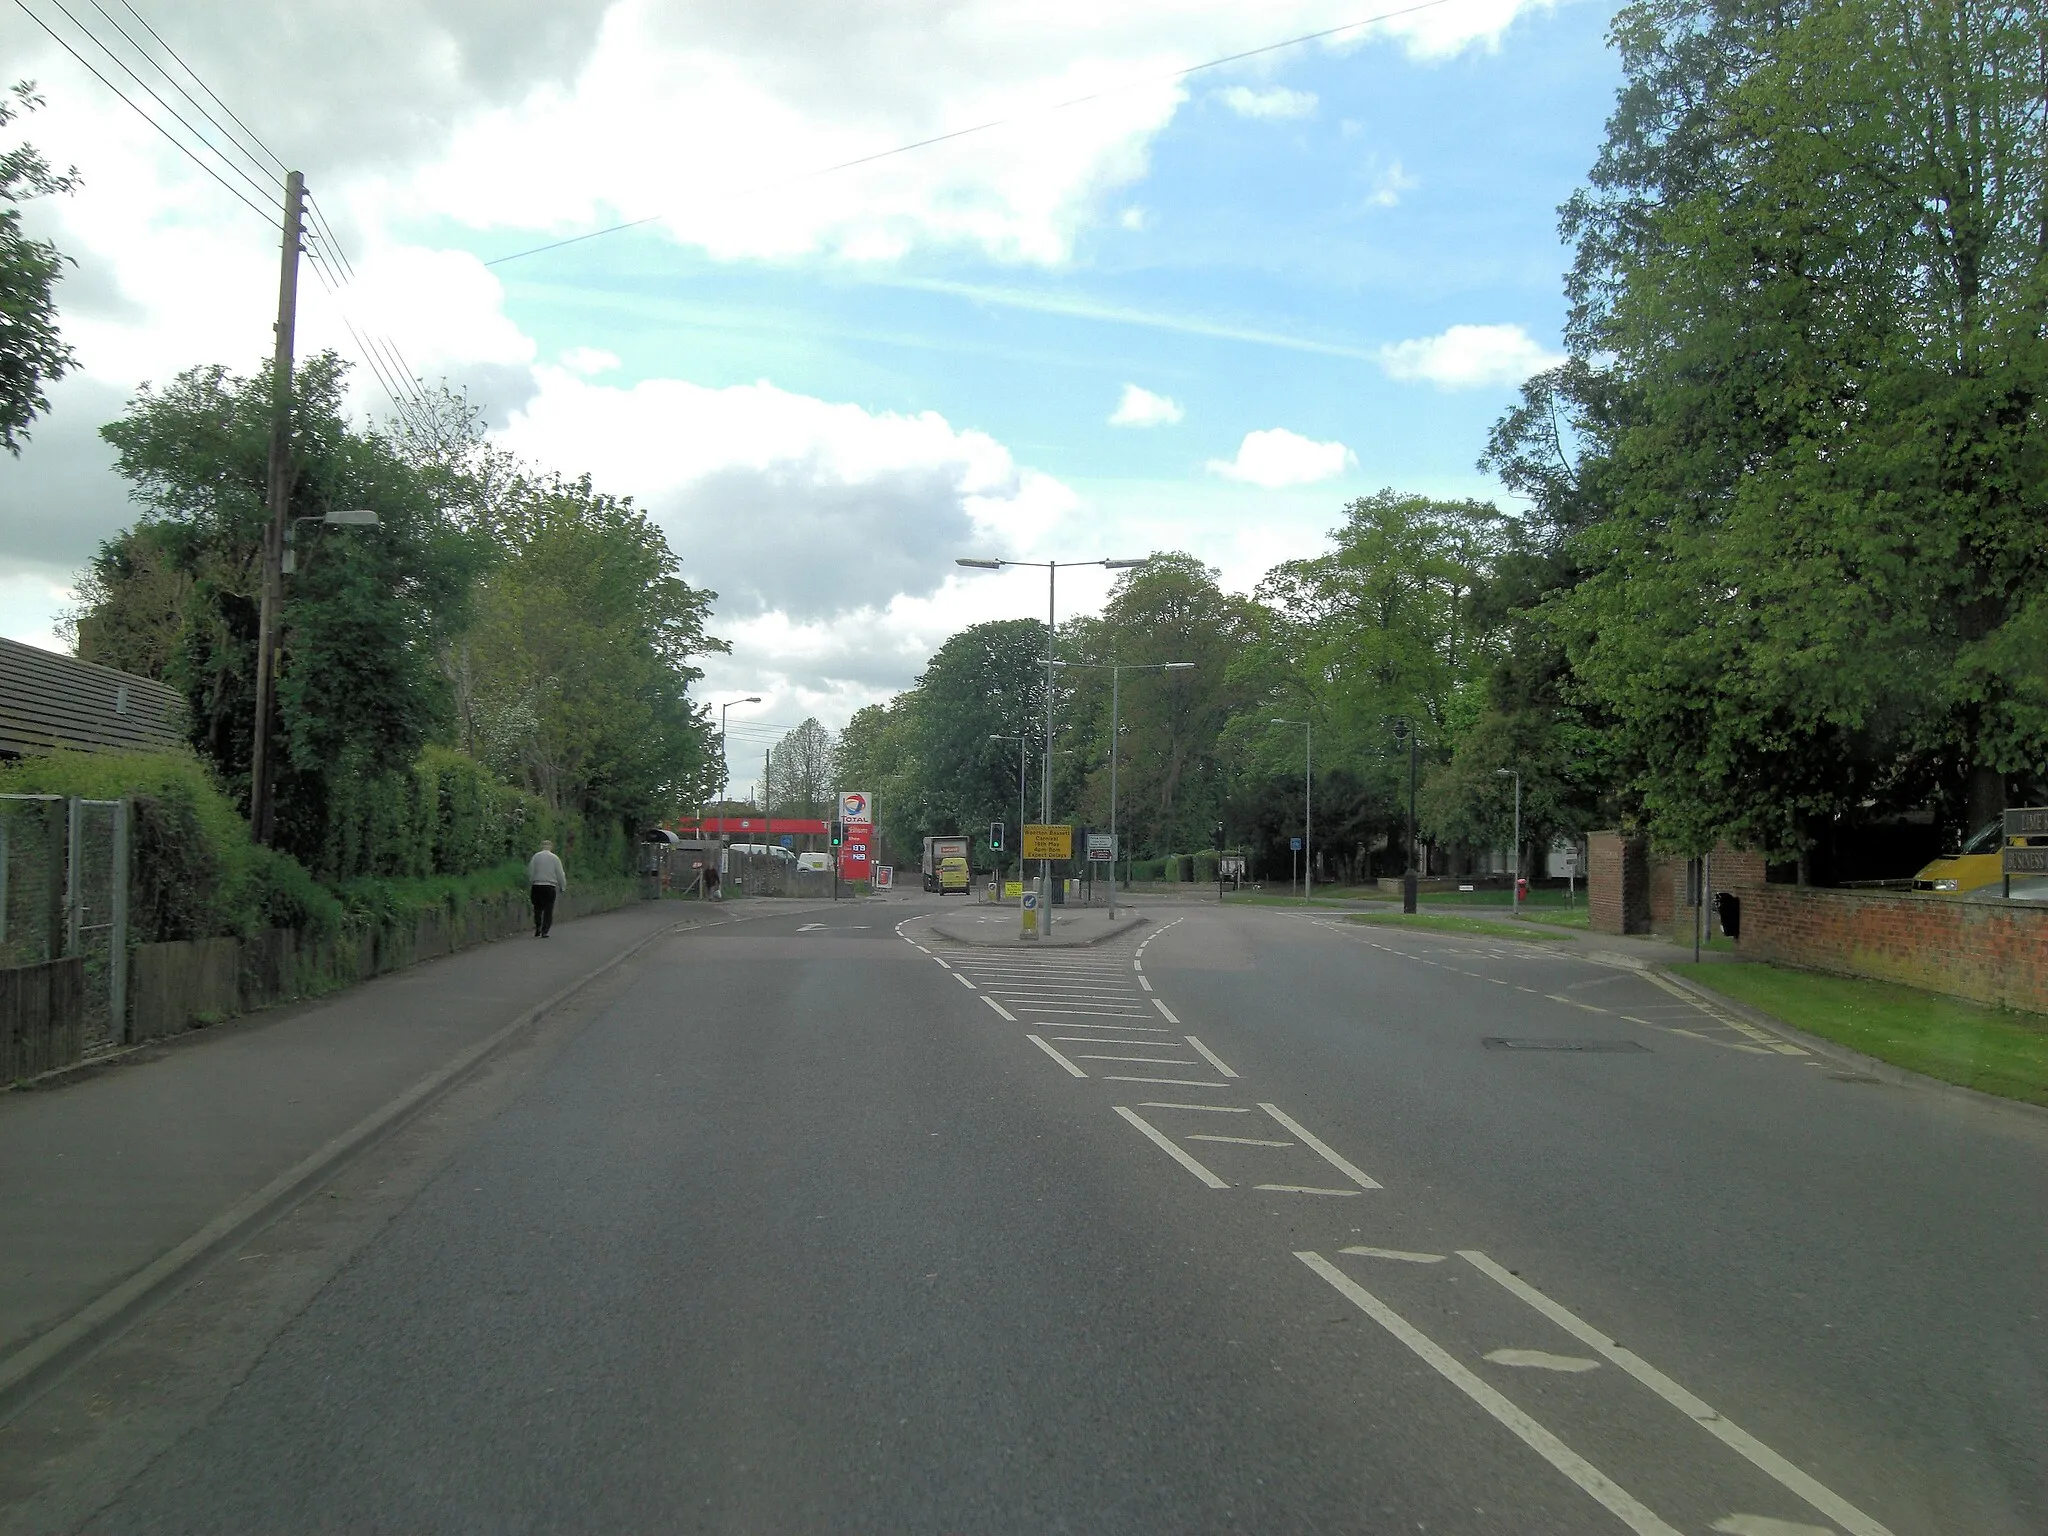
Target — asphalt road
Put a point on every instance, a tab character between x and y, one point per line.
1252	1220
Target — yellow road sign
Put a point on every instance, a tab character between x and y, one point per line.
1043	842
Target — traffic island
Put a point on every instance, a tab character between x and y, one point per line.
1072	928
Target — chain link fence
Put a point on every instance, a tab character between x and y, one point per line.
64	892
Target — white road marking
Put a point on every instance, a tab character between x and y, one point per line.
1167	1145
1542	1360
1241	1141
810	927
1055	1055
941	962
1171	1082
1321	1148
1737	1439
1764	1525
1145	982
964	981
1137	963
1306	1189
1209	1056
1395	1253
999	1008
1145	1061
1166	1011
1103	1040
1611	1496
1212	1109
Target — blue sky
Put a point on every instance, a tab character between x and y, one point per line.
827	389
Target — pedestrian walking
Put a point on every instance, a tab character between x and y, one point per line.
546	878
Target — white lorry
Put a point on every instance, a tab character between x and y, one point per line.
937	850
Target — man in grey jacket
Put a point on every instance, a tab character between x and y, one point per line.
545	875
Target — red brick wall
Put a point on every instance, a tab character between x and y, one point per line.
1989	953
1617	884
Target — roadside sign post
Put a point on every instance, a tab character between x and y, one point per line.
1030	911
2026	844
1048	844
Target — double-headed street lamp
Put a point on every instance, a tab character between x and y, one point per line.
1052	570
1308	765
1116	670
724	759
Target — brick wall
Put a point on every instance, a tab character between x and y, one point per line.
1617	884
1989	953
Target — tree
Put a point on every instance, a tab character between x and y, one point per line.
987	680
803	771
175	596
32	352
877	754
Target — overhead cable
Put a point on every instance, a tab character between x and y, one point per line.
994	122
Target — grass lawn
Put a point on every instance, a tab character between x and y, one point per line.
1992	1050
1557	917
1541	897
1445	924
1340	897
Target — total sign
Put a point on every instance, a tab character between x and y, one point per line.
853	853
856	806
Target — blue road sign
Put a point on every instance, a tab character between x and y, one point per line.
788	840
1294	845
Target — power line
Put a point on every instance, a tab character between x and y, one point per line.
283	169
269	217
996	122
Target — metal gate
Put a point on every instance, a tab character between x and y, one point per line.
64	891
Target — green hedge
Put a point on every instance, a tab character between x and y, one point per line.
446	815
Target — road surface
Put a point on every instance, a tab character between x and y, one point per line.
1252	1220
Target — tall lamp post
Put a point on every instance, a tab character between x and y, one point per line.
1116	671
1403	731
1308	760
262	755
724	760
1510	773
1052	571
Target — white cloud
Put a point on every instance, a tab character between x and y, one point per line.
1278	457
1142	408
1469	357
1277	102
1133	218
1389	185
789	504
588	362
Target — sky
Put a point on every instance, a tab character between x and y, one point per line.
1143	311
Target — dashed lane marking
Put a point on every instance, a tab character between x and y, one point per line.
1165	1012
1055	1055
1145	982
1737	1439
1397	1254
1170	1147
1610	1495
1321	1148
999	1008
964	982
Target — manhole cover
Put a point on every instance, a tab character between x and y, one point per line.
1502	1043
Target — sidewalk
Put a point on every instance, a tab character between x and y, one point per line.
104	1179
1072	927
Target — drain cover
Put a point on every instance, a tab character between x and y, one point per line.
1548	1043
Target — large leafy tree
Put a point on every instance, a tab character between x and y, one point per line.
987	680
364	617
803	771
1814	264
32	351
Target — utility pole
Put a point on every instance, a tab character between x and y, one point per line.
262	770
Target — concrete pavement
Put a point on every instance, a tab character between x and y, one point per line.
1235	1222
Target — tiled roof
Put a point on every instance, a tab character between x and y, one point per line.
49	701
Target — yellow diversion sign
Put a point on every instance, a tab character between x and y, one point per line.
1045	842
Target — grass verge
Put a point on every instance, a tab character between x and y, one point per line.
1557	917
1444	924
1993	1050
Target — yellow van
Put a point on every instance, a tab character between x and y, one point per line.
953	875
1980	863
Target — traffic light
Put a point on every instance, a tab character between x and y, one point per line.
995	837
838	832
1216	837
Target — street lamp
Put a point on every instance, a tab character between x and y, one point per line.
1308	748
1022	742
1507	773
724	761
1116	670
1052	571
269	617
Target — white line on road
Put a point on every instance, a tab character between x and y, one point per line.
999	1008
1210	1056
1241	1141
1395	1253
964	982
1145	982
1055	1055
1321	1148
1170	1082
1617	1500
1737	1439
1104	1040
1144	1061
941	962
1542	1360
1167	1145
1307	1189
1168	1012
1212	1109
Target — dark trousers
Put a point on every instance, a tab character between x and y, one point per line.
543	910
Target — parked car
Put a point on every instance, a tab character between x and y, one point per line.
820	862
1976	864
